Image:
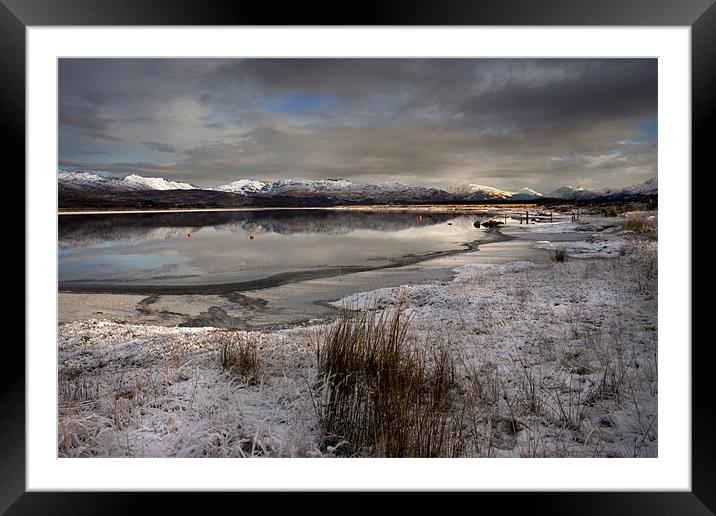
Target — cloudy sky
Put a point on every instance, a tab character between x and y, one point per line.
508	123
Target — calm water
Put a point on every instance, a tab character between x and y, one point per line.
202	248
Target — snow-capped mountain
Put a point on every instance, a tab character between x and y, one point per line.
243	186
157	183
132	182
313	185
648	187
86	180
569	193
479	192
335	189
81	189
341	189
526	194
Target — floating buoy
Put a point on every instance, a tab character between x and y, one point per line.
188	235
251	237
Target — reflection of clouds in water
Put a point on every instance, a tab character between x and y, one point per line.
284	241
75	230
123	266
81	239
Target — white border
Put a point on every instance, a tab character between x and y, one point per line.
672	468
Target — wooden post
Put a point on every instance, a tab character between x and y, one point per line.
527	216
505	219
550	217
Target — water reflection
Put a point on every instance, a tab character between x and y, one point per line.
90	230
135	248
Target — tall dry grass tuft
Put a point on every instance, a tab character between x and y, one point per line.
611	211
379	396
239	355
559	254
639	223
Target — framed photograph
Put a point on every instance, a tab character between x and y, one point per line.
426	252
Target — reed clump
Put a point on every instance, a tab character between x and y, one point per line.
380	396
559	254
239	355
638	223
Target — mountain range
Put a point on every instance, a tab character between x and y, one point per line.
86	189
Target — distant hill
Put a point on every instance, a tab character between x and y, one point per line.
85	190
648	187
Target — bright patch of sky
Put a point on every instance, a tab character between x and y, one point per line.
297	102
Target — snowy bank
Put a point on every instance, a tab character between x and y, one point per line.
565	352
553	360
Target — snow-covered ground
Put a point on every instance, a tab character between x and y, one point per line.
152	391
560	360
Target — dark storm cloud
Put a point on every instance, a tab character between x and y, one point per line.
602	91
345	78
507	122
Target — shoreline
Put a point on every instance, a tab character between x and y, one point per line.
448	208
295	299
557	360
285	305
275	280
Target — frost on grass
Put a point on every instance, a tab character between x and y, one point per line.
594	247
149	391
555	360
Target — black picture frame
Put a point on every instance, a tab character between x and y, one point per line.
700	15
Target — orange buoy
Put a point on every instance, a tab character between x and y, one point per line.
251	237
188	235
